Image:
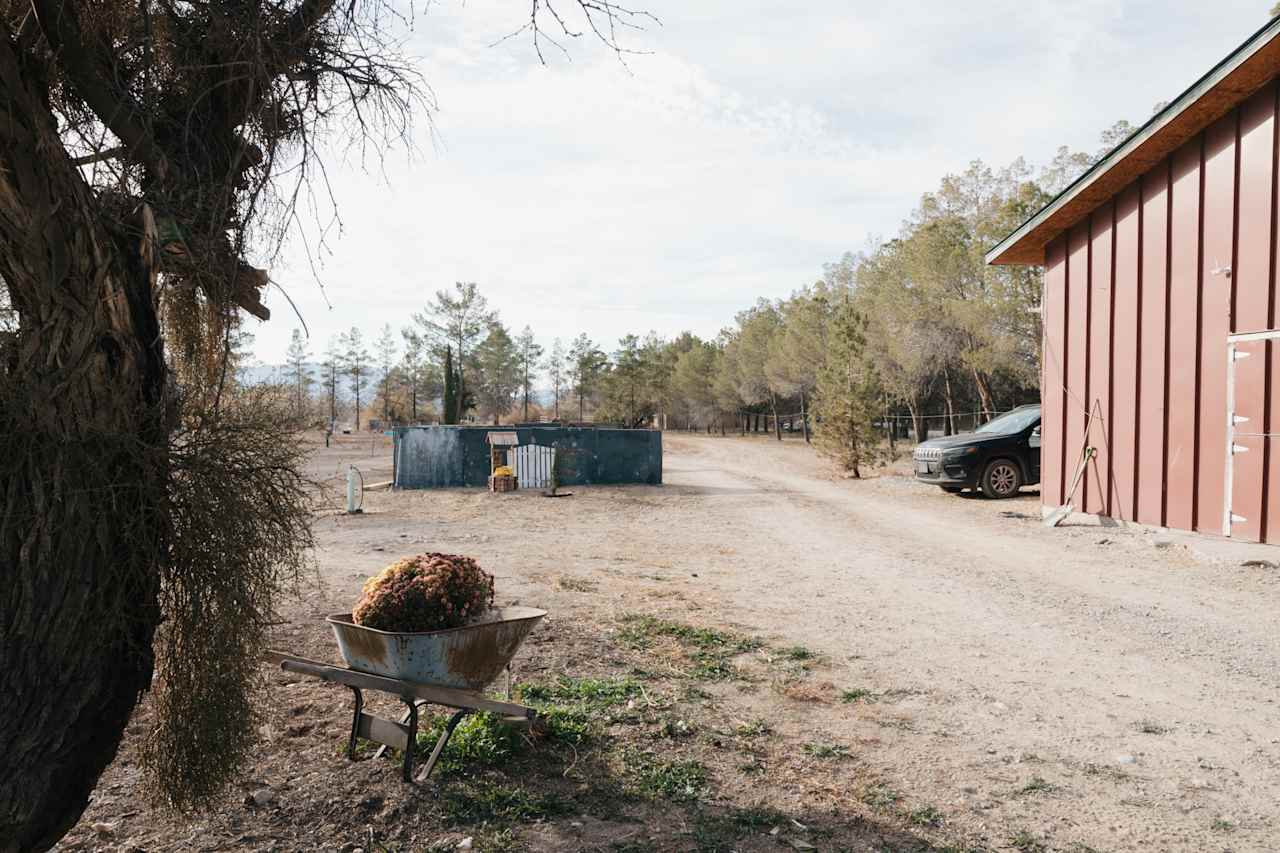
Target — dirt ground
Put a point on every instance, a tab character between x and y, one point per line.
927	672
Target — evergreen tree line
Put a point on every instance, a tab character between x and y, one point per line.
912	335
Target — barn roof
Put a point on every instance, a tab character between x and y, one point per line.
1246	70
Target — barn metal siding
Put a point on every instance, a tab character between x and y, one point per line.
1140	297
1053	380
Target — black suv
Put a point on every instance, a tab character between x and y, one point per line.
999	457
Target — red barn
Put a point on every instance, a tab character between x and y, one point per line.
1161	336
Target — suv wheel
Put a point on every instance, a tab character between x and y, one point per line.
1002	479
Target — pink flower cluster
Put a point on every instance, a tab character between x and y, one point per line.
429	592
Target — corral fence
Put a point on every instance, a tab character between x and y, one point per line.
899	427
459	456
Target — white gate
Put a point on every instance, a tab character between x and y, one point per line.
1247	440
533	466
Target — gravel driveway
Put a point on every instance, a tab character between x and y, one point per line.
1090	683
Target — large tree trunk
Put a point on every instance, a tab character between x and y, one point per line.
777	425
83	436
984	394
917	422
891	427
949	415
804	417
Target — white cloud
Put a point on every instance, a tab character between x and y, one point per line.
755	143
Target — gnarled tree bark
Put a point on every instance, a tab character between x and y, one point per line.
83	437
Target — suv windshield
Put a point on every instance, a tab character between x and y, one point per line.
1011	422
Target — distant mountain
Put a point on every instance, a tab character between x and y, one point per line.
255	374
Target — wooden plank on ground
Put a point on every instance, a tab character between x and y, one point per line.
377	729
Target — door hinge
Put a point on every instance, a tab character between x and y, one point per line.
1239	448
1239	354
1239	419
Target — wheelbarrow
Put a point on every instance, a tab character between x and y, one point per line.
449	668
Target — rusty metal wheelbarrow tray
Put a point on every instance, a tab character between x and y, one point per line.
466	658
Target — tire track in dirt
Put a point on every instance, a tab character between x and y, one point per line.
1034	641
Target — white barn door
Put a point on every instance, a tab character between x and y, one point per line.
533	466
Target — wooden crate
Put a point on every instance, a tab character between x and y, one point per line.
502	484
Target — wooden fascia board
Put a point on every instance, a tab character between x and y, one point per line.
1248	69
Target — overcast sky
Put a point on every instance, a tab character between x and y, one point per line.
755	142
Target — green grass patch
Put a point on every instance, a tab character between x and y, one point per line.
673	728
590	693
1222	825
640	631
708	666
710	651
480	801
573	726
1037	785
694	693
925	816
682	781
1027	842
719	833
857	694
570	709
798	653
480	739
502	841
756	728
829	751
879	796
758	817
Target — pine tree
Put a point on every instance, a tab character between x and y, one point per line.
530	352
450	415
586	362
385	346
299	373
332	367
555	367
847	393
355	363
459	319
498	373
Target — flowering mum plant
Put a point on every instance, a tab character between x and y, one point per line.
429	592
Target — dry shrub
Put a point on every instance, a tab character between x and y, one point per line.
429	592
240	510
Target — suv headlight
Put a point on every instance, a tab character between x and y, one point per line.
959	452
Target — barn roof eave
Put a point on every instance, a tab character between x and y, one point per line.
1245	70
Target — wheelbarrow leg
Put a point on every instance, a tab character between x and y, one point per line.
407	769
440	744
355	723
